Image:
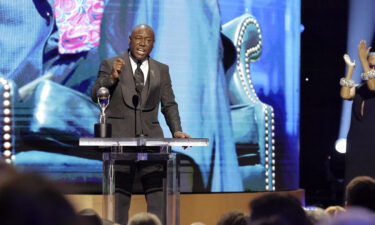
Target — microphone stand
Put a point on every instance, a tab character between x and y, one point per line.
141	135
138	89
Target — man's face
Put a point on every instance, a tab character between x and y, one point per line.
141	42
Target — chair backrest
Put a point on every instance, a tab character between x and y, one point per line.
245	35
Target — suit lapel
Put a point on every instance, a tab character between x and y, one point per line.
154	85
127	81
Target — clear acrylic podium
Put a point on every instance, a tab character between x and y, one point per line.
117	146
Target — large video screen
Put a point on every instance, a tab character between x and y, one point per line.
234	67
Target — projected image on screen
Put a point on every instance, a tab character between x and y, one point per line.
234	69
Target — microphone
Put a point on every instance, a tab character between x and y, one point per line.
138	89
138	80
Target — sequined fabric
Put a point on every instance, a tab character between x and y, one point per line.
78	22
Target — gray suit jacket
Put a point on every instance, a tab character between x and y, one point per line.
121	112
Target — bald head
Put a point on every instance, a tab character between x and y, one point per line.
141	41
143	27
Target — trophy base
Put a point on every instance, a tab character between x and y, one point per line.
103	130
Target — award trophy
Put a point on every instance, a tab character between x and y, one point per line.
103	129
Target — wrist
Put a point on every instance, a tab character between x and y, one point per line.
368	75
351	67
345	82
113	77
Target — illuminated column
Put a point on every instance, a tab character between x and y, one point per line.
7	137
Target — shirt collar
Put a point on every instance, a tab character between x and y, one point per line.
136	61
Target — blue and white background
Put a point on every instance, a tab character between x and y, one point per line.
51	109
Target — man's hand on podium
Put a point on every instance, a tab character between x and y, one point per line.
180	134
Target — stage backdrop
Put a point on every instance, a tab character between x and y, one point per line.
235	72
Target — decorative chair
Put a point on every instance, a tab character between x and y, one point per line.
252	120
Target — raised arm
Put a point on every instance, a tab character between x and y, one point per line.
347	90
368	75
108	75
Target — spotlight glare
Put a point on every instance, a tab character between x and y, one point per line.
6	136
7	111
6	94
7	145
7	153
6	128
7	120
341	145
6	103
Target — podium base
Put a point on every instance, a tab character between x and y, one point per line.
103	130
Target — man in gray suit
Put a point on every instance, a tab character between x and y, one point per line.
138	84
